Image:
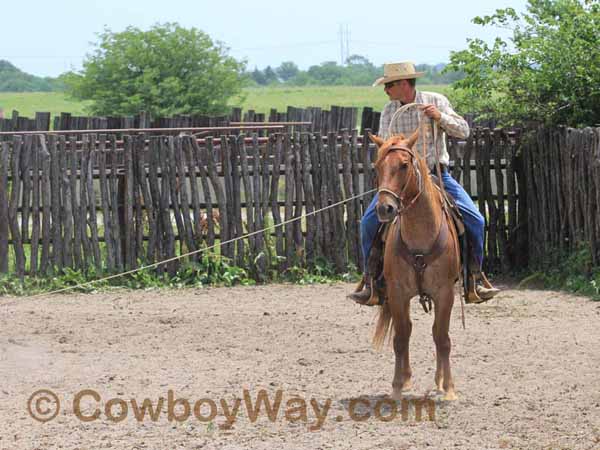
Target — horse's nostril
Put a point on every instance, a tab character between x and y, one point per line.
385	212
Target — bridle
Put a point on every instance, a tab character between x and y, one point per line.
401	198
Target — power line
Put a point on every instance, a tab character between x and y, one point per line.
396	44
298	44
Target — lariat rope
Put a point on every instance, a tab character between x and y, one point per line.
202	250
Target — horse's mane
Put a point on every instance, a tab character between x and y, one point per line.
425	175
383	151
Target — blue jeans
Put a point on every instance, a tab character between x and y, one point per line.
474	221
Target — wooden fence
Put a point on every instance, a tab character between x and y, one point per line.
321	120
562	170
97	201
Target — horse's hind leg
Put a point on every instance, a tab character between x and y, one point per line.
402	330
443	374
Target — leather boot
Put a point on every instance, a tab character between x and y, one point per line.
491	290
487	293
363	291
483	292
471	296
364	294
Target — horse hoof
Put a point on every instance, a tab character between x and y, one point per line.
450	396
397	395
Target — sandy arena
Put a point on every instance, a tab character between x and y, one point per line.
526	371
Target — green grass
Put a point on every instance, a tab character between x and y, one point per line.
259	99
28	103
280	97
571	272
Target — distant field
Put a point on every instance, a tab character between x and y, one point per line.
259	99
263	99
28	103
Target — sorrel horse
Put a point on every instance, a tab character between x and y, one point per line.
422	238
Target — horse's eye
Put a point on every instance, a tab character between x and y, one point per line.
403	166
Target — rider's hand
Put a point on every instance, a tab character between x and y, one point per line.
432	112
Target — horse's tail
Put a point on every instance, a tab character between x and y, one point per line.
383	327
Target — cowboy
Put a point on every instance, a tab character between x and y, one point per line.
399	80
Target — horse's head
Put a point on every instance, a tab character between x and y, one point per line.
398	175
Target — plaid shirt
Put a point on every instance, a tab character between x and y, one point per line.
407	122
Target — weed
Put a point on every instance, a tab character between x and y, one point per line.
575	273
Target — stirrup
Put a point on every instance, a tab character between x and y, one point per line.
473	297
365	293
375	299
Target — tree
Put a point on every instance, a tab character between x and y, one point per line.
550	71
360	71
166	70
301	79
270	75
327	73
358	60
287	70
13	79
259	77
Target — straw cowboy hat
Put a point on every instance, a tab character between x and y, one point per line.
398	71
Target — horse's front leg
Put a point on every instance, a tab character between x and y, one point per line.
441	325
400	308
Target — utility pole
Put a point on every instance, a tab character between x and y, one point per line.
347	43
344	43
341	33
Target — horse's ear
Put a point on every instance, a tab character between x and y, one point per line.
376	140
412	139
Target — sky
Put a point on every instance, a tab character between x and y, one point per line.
47	38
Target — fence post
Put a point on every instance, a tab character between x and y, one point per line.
4	151
520	157
121	193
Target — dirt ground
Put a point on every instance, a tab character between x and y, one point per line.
526	372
